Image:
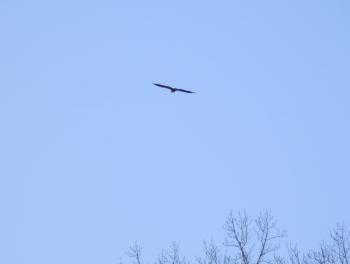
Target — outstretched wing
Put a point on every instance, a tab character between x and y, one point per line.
163	86
185	91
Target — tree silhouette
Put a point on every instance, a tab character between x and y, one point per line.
256	241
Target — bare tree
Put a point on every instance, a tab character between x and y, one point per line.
256	241
240	231
171	256
336	252
295	256
212	255
341	244
134	252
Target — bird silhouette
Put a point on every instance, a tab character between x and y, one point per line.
172	89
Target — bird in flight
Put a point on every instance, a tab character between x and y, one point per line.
172	89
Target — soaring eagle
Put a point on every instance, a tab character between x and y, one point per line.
172	89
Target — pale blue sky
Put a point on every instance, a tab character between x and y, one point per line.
93	156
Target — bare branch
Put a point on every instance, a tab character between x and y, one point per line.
279	260
171	256
295	255
237	230
266	232
212	254
135	253
341	240
322	256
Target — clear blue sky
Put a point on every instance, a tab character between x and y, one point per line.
93	156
